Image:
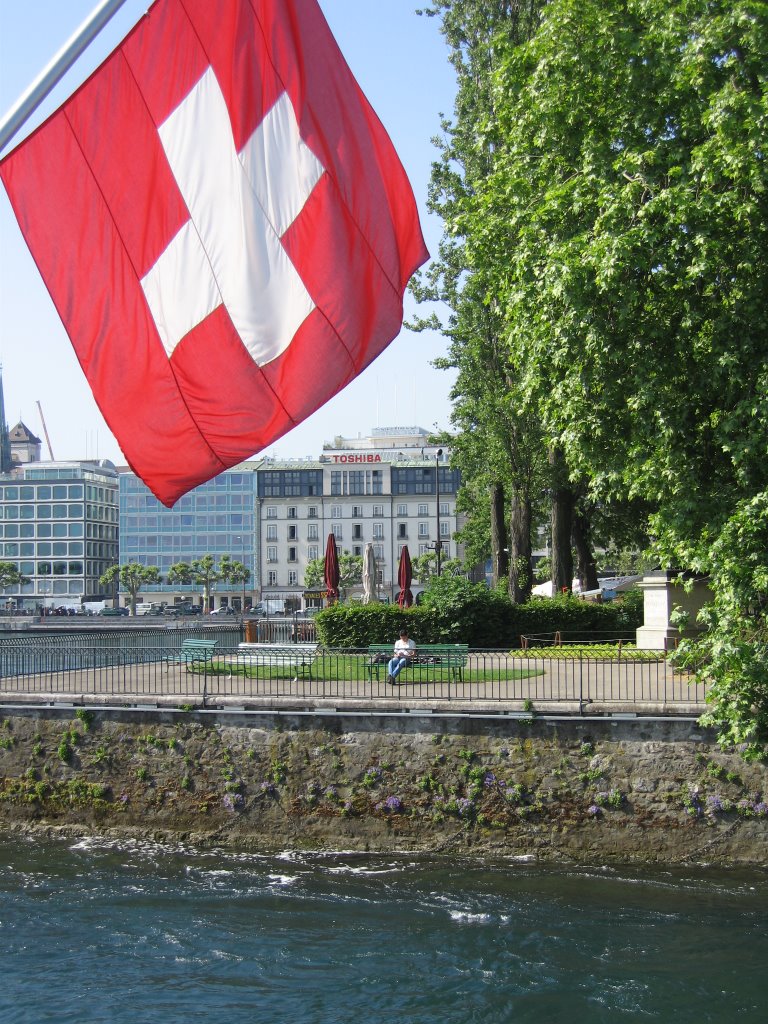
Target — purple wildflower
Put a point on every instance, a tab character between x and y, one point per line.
489	780
594	810
715	803
760	809
268	788
465	807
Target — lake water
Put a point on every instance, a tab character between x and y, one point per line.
99	931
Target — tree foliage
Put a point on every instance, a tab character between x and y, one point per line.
206	573
622	232
131	577
496	443
10	575
350	573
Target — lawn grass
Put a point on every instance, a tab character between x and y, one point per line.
354	668
591	652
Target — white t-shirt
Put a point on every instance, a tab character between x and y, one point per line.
402	647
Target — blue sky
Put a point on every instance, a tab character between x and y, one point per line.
400	61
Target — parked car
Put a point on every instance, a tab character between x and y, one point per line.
109	610
183	609
223	610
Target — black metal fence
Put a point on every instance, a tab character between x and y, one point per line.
69	666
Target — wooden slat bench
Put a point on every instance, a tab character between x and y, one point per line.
429	657
298	657
192	652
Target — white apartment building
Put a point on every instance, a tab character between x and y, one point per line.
390	489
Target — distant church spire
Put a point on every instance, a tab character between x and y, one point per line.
5	440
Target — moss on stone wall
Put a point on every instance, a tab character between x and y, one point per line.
582	790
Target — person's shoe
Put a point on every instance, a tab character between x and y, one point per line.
392	680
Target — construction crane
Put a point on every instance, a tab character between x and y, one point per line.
45	431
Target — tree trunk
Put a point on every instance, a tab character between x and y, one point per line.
562	518
499	551
520	561
586	566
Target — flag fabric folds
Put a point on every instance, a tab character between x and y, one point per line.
224	227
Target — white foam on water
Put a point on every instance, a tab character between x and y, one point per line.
283	879
467	917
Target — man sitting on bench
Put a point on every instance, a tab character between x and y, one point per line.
405	653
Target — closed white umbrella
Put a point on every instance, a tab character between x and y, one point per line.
369	576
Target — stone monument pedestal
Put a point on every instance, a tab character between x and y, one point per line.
662	593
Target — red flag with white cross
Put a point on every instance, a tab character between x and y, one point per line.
224	227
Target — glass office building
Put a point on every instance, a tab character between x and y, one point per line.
59	527
217	518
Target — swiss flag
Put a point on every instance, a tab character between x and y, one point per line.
224	227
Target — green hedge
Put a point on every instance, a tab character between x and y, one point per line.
480	618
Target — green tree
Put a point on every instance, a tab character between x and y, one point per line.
201	572
131	577
10	575
497	443
235	572
626	215
425	567
350	573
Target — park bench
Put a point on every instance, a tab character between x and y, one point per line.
428	657
297	657
192	652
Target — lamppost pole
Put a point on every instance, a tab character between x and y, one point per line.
438	542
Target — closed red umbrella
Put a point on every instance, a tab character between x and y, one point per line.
404	577
331	570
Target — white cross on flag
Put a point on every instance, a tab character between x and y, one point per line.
224	227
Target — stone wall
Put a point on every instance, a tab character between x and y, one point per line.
556	789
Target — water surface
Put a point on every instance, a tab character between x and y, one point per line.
100	931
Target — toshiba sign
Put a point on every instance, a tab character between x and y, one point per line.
356	458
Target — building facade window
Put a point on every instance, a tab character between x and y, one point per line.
272	578
292	532
271	553
423	510
291	511
313	552
378	511
271	531
357	511
271	512
335	511
336	531
445	529
423	529
312	531
312	512
292	555
402	511
378	531
293	578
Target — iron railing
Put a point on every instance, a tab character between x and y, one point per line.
528	681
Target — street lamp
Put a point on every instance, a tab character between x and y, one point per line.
438	542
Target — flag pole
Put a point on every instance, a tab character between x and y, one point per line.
28	103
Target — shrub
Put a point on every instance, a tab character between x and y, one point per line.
456	611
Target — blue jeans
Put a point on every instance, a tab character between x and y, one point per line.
396	666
